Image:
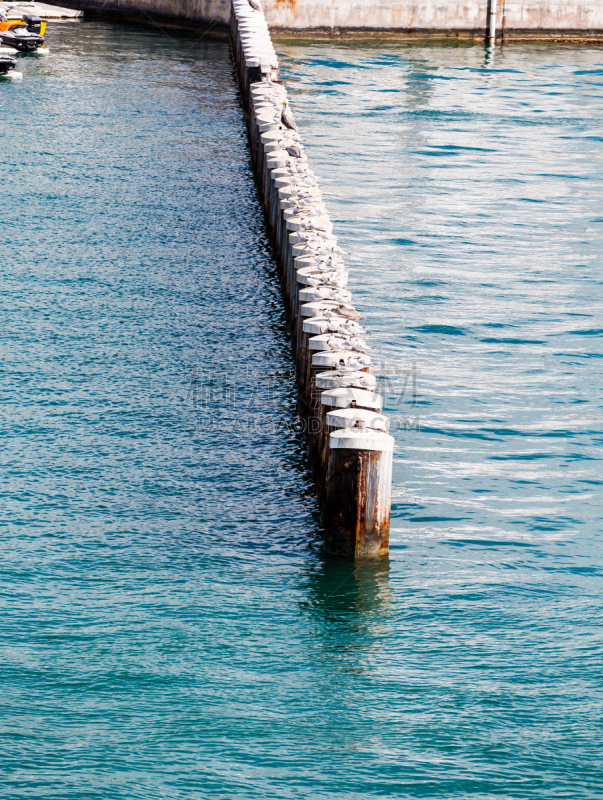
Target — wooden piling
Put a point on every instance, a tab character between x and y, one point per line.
352	453
339	398
357	502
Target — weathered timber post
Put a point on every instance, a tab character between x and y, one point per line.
357	502
340	398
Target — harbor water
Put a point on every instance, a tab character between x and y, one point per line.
170	627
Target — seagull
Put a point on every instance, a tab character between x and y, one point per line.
294	151
302	201
359	361
341	297
329	293
306	210
345	344
275	98
348	312
347	327
341	342
349	377
313	224
255	5
333	280
333	325
329	262
286	116
315	241
354	343
351	327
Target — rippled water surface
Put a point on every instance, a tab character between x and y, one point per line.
169	626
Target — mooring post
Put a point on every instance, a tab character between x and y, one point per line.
356	507
347	397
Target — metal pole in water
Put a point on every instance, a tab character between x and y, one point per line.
503	24
491	31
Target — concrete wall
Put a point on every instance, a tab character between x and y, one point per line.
444	16
178	11
433	15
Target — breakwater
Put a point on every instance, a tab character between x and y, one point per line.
350	448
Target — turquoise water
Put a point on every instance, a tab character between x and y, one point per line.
170	628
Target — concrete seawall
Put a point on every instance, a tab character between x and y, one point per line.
522	19
452	17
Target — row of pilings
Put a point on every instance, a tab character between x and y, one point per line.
351	451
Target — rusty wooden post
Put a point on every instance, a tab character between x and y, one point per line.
356	507
342	397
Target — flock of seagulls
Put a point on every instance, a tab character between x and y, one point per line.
305	230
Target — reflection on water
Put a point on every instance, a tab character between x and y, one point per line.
468	192
352	601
